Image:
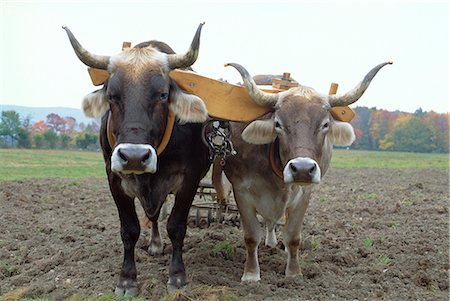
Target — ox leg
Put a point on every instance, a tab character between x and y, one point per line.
156	247
129	232
292	232
154	215
176	228
252	238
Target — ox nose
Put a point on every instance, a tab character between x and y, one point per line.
302	170
133	158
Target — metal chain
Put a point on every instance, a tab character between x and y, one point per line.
217	136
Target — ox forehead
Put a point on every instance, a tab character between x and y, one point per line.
133	62
309	107
304	95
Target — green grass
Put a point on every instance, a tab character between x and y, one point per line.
384	259
368	242
315	242
104	297
373	159
7	269
225	249
20	164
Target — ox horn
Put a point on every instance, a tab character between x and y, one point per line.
258	96
187	59
89	59
354	94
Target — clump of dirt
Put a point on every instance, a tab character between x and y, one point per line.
368	234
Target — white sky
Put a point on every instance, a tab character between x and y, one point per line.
317	41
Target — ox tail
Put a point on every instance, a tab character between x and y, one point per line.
221	185
145	221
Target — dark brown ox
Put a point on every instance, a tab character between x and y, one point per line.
137	99
301	133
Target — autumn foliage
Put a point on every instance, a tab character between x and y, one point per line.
54	132
399	131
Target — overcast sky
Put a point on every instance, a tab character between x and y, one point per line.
318	42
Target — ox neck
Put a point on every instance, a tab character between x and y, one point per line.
164	141
274	158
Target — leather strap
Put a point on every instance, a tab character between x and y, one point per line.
275	167
109	132
167	133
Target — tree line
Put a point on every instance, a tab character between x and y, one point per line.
374	129
423	132
55	132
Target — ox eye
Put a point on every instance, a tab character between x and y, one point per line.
112	98
278	126
326	125
164	96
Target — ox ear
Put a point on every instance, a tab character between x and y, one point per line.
260	132
95	104
341	133
187	107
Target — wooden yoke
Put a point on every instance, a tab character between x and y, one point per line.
285	83
344	114
98	76
223	100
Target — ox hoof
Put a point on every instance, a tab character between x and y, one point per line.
177	283
293	268
127	288
293	274
250	277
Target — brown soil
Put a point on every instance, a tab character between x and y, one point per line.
369	234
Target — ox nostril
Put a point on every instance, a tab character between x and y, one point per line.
312	170
146	156
293	168
122	156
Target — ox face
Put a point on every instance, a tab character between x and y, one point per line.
301	139
303	127
139	94
139	110
138	102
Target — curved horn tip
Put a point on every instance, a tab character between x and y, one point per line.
202	23
390	62
234	65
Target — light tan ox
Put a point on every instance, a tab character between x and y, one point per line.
303	132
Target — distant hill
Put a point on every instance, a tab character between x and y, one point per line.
37	113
